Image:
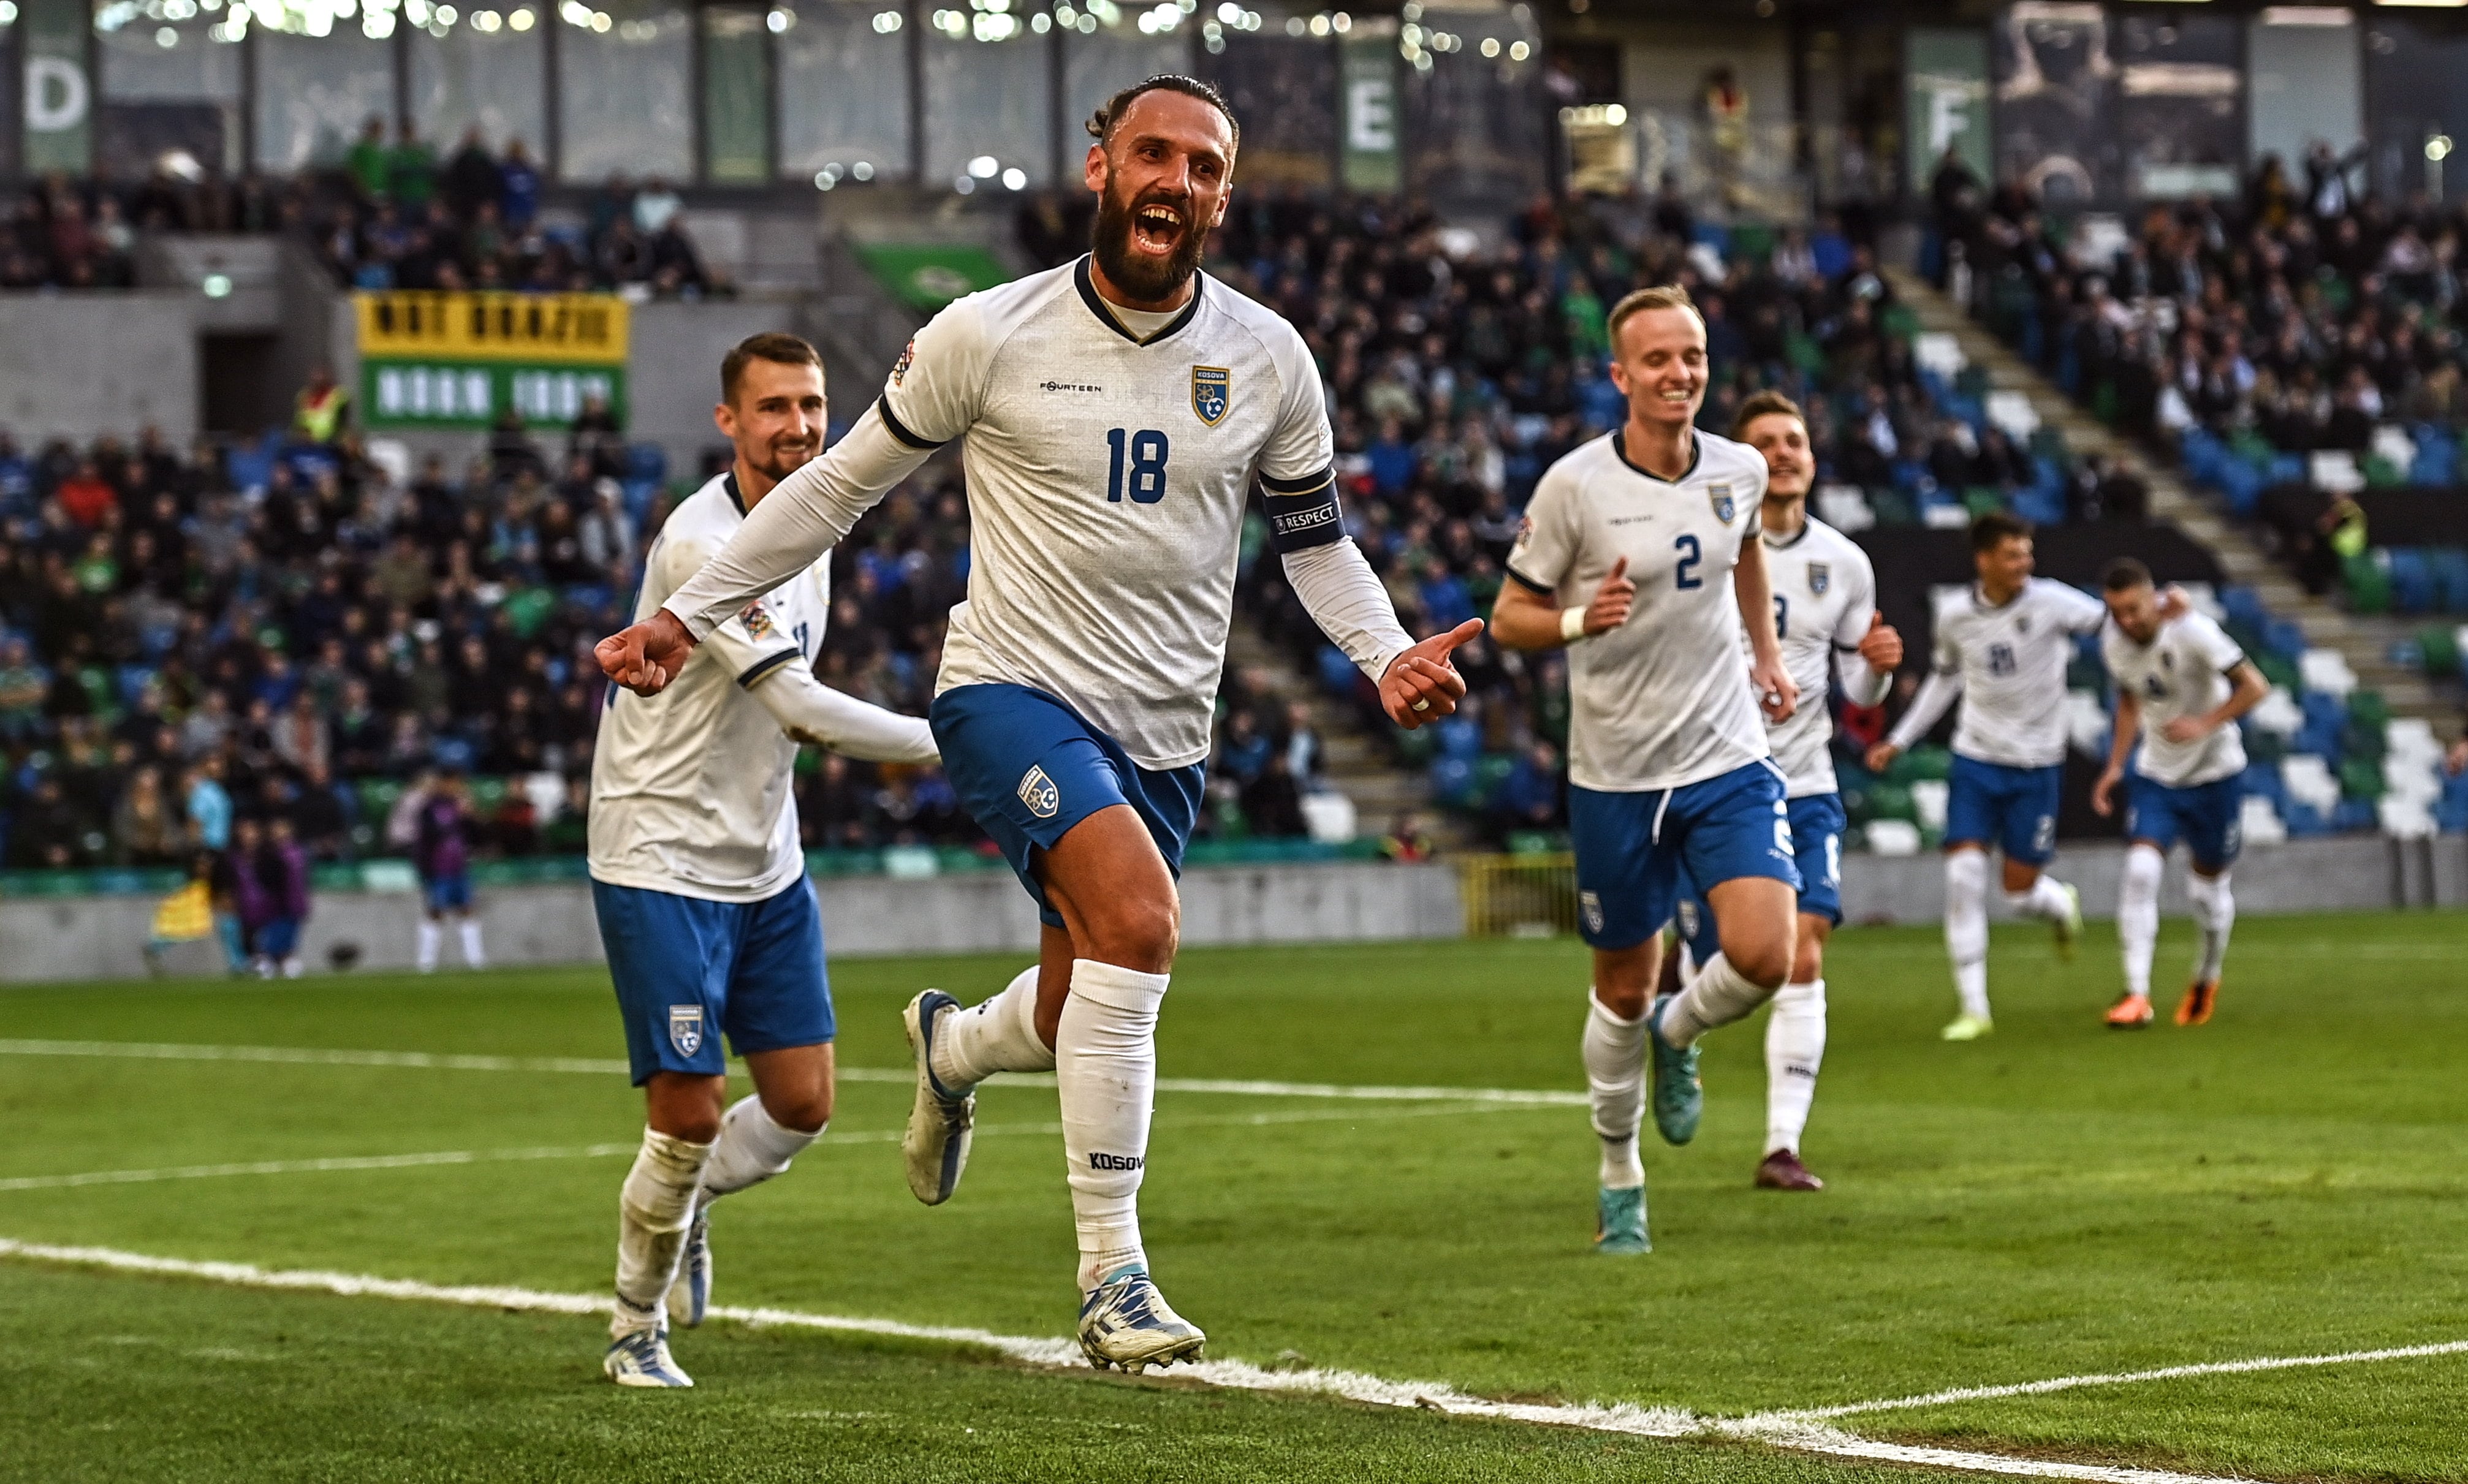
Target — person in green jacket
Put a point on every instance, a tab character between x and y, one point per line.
367	161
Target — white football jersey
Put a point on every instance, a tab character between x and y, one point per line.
2182	671
1658	702
2011	660
1107	479
690	788
1824	596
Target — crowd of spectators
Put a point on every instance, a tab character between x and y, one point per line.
2304	316
391	214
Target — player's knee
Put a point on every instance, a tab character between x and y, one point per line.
802	1111
1134	934
1808	961
1766	963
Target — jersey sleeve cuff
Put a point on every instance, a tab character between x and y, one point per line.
902	431
765	666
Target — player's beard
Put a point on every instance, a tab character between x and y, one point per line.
780	460
1145	279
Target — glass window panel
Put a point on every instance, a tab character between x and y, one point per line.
314	93
625	94
736	96
167	88
1283	89
844	87
1474	108
987	98
491	79
1097	64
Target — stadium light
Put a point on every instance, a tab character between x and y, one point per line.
779	22
885	22
522	20
965	185
1014	179
216	285
8	12
165	38
984	166
1491	47
863	170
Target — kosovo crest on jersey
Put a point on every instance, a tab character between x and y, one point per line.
1725	506
1819	578
685	1029
1038	793
1212	391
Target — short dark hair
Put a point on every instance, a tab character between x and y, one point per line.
1995	528
771	345
1101	123
1766	404
2124	575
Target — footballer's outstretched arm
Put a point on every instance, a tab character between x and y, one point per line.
803	516
812	712
1345	598
1937	693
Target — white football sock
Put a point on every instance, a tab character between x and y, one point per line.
996	1035
1966	927
2214	915
1614	1055
2046	898
430	936
472	957
1795	1050
2138	915
752	1148
654	1209
1718	995
1104	1063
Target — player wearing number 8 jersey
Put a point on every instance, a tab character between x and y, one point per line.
1113	416
1641	550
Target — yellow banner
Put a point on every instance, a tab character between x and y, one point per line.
540	328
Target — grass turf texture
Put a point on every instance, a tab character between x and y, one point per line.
2059	1198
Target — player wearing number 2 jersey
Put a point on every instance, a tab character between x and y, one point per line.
1641	550
1826	620
1113	416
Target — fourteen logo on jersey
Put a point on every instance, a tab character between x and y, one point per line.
1725	507
1038	793
1212	392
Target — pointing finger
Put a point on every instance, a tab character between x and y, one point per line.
1460	634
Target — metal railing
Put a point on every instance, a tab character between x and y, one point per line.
1518	895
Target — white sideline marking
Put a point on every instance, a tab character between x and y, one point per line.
474	1156
2033	1388
1773	1430
319	1055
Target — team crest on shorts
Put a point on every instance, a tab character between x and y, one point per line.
1590	904
1725	506
685	1029
1819	578
1038	793
1687	918
1212	392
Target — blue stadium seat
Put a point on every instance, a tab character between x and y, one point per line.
2242	605
2284	638
2302	819
2449	566
2412	580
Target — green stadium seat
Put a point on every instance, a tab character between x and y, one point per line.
2437	648
2370	589
2369	707
2361	777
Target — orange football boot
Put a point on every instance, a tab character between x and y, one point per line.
2195	1009
2130	1013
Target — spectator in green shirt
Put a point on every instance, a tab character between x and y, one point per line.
411	169
368	163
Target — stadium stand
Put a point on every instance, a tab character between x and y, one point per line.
2304	366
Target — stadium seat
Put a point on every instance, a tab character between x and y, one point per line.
2368	586
2327	671
1893	837
2449	566
2259	822
2307	781
1928	798
2412	580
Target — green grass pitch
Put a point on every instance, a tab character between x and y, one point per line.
2056	1201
